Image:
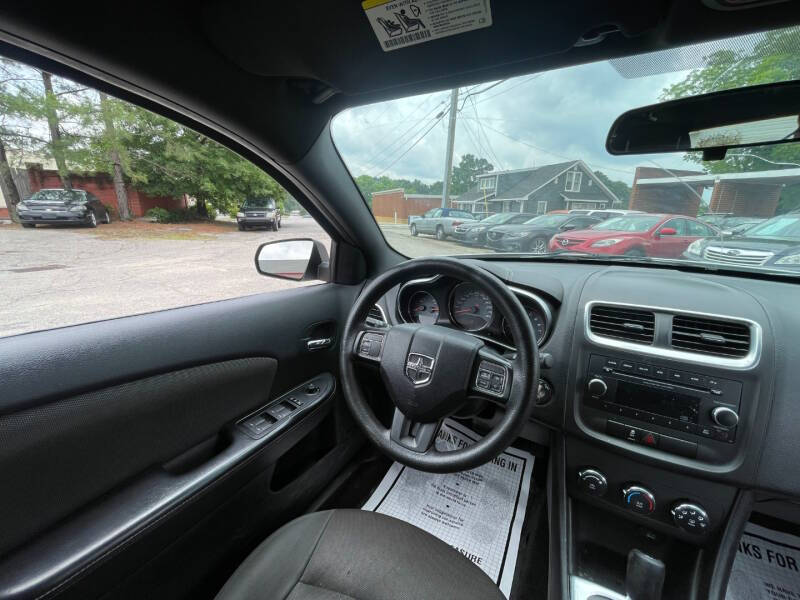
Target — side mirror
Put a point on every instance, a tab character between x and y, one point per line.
726	233
298	260
667	231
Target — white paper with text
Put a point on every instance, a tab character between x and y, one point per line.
767	566
478	512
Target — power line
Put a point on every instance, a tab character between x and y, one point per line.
419	139
488	141
486	89
508	89
524	143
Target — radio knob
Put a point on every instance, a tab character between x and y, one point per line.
597	387
690	517
639	499
725	417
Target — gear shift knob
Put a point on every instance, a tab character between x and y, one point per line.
644	578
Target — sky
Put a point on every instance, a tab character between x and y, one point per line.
526	121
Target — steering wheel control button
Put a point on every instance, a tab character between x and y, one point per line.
593	482
690	517
639	500
370	345
725	417
597	387
491	378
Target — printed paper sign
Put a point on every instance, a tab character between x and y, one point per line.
399	23
767	566
478	512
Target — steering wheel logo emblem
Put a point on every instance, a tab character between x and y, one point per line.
419	368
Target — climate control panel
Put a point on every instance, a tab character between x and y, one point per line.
639	498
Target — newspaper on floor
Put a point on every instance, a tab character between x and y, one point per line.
478	512
766	566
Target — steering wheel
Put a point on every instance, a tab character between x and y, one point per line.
429	371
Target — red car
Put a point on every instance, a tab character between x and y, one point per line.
663	236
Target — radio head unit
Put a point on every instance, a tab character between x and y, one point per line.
694	403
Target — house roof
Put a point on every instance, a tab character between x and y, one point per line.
519	184
475	194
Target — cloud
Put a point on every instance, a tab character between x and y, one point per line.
526	121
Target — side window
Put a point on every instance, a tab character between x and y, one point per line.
697	229
164	226
519	219
437	213
430	213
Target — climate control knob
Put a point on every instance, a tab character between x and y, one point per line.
597	387
725	417
638	499
593	482
690	517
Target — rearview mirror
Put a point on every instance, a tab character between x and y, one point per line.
298	259
750	116
667	231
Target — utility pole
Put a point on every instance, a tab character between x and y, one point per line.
451	138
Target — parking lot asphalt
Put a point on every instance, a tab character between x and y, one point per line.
55	277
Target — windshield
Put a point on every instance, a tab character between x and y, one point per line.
536	144
260	203
786	227
548	221
632	224
57	196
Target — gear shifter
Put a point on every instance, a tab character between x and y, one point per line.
644	577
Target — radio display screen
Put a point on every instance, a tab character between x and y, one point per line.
670	404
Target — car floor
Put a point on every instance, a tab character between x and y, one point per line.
355	485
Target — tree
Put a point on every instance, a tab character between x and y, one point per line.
7	185
110	138
620	189
465	175
772	59
57	144
367	185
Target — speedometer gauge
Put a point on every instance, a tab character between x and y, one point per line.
423	308
471	307
538	321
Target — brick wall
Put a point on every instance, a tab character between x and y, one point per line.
4	213
746	199
385	205
670	198
102	186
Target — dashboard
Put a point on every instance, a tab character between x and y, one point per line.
678	381
461	305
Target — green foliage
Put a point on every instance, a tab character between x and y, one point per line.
158	156
620	189
771	60
463	178
465	174
184	215
162	215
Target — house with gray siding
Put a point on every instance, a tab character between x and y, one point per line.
538	190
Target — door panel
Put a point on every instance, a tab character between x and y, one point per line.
118	436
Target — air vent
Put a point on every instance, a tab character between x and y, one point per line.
710	336
375	316
623	323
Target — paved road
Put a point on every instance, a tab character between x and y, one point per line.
55	277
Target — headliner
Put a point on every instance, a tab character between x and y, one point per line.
259	70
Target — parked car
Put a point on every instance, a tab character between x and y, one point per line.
664	236
440	222
738	225
474	232
53	206
534	235
775	242
259	212
606	213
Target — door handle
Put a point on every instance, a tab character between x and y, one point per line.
319	343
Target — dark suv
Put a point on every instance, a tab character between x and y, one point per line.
54	206
259	212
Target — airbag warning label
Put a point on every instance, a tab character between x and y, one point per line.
399	23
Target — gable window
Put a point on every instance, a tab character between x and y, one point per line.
487	183
573	183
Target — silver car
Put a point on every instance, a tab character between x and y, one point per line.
440	222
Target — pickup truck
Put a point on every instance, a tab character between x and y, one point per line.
440	222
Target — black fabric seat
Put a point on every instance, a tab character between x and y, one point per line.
359	555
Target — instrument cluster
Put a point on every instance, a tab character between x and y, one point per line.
463	305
